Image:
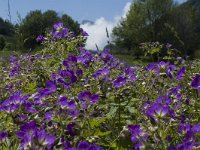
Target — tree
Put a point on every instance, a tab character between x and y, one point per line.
6	28
140	24
2	43
185	21
30	28
37	23
71	24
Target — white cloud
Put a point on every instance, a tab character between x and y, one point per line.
97	31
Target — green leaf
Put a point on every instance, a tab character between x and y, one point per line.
155	50
113	110
99	133
97	122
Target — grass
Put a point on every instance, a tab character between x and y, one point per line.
130	60
6	54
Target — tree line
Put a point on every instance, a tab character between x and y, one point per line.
161	21
21	36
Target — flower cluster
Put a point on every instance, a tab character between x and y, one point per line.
71	98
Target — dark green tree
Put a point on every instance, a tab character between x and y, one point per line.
6	28
71	24
2	43
140	24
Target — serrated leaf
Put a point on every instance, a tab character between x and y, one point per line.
99	133
97	122
154	50
113	110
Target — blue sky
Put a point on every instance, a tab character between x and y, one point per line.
77	9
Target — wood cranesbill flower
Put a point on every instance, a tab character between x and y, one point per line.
181	73
154	68
84	145
85	58
106	56
157	110
137	134
32	137
88	97
169	71
83	33
120	81
67	78
60	31
196	128
102	73
70	62
3	136
40	39
196	82
64	102
71	128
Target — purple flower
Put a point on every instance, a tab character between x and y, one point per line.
196	82
71	128
83	145
44	139
106	56
181	73
79	72
13	102
88	97
187	145
30	136
120	81
85	57
70	62
102	73
157	109
83	33
58	26
170	70
67	78
163	64
67	145
40	39
130	73
196	128
64	102
172	148
60	32
48	115
50	87
168	45
154	68
136	133
3	135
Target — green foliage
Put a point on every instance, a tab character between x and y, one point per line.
6	28
158	20
38	23
2	43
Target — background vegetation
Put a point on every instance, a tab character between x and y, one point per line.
161	21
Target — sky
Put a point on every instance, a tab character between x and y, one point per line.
104	13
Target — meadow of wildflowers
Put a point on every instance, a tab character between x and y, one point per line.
65	97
